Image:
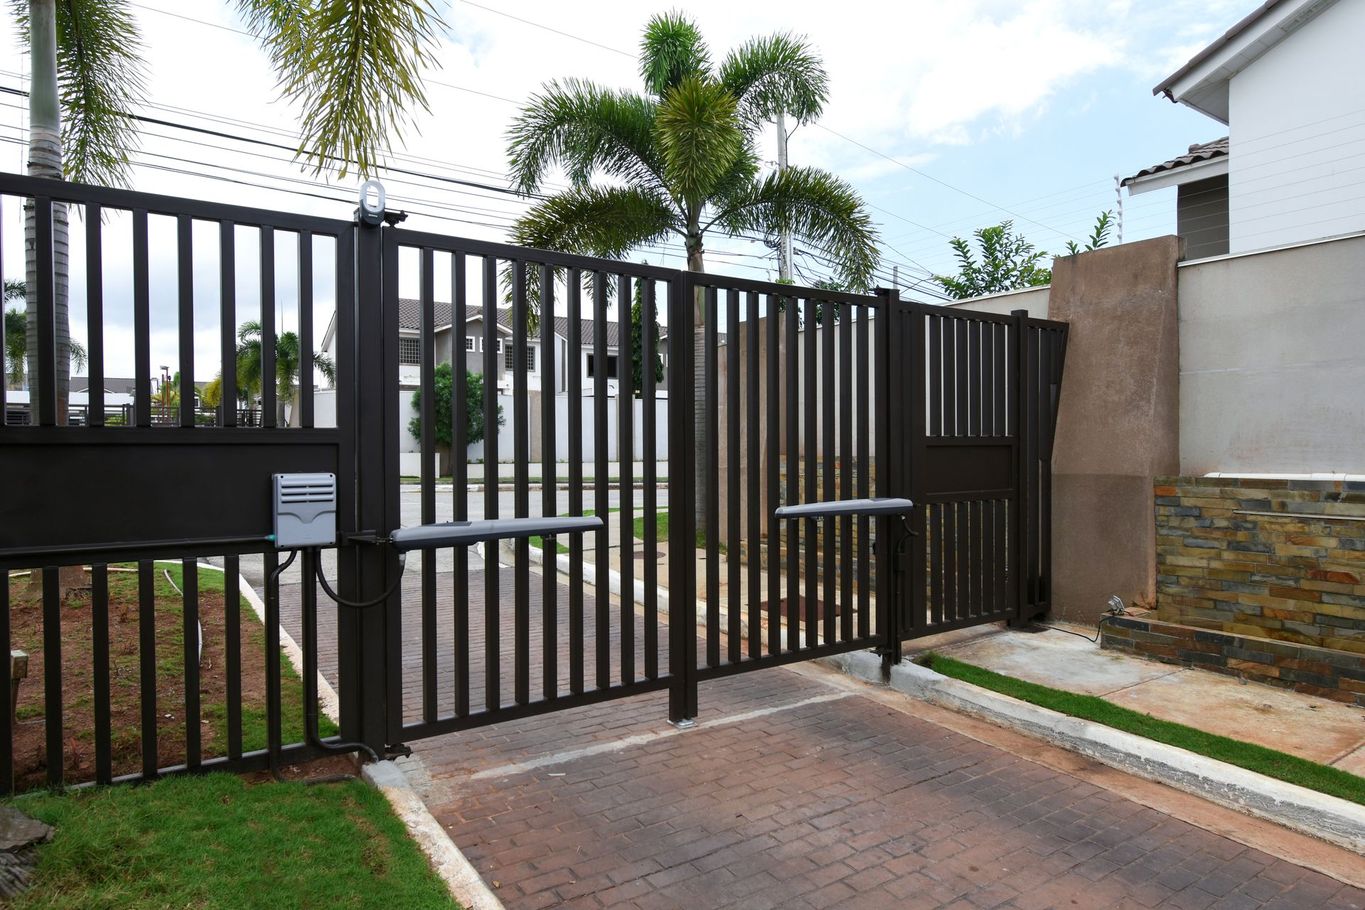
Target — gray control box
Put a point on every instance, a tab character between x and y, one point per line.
305	510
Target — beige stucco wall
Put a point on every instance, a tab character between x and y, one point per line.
1272	361
1117	423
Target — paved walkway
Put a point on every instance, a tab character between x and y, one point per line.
801	789
1317	729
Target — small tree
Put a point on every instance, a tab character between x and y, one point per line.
1104	222
637	341
1008	261
444	382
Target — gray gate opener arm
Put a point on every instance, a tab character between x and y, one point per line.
885	505
466	533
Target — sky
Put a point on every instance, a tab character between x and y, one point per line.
946	117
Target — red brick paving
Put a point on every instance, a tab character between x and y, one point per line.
845	804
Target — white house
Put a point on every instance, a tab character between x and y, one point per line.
1288	83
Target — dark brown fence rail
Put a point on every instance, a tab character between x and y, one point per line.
773	396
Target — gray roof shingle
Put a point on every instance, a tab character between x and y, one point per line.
1200	151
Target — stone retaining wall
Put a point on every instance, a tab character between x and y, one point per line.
1279	559
1338	675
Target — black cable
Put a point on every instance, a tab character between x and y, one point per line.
1098	627
363	604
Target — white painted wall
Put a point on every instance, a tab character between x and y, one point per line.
1032	299
1297	126
1272	361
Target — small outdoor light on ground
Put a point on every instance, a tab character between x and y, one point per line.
18	669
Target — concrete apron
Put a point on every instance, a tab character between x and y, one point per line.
1334	820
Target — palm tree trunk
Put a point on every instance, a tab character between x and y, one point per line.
45	160
695	263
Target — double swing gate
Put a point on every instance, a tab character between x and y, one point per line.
673	477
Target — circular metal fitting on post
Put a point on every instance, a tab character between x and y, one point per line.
372	202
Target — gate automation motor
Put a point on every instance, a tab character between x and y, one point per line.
305	510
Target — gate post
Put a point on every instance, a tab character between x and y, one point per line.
366	398
1020	527
890	447
682	526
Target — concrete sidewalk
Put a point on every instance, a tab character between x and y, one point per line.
1328	732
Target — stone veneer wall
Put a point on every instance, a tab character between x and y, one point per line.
1338	675
1295	573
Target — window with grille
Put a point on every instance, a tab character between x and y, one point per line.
509	357
409	350
469	342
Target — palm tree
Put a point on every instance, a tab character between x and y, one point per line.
354	68
16	339
287	365
681	159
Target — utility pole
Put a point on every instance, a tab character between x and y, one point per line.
896	277
1118	200
784	255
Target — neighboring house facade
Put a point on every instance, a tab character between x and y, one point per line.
471	344
1288	82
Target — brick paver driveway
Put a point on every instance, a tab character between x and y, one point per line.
799	790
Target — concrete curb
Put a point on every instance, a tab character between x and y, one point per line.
1326	817
463	880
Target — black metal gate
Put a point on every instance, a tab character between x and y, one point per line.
839	403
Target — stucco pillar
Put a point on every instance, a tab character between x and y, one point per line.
1118	423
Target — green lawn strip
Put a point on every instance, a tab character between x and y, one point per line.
218	842
1288	768
254	717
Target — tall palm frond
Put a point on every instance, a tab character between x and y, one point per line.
815	205
699	133
672	50
776	74
585	129
354	67
606	222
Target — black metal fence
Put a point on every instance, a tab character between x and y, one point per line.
776	395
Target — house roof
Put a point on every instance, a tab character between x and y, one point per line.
1202	83
410	320
1200	151
112	384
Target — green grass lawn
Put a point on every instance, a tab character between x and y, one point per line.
1288	768
170	662
217	842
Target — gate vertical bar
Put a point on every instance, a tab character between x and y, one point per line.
94	319
916	603
601	490
1018	547
889	445
521	454
573	360
682	533
549	615
492	670
625	459
459	475
427	480
648	419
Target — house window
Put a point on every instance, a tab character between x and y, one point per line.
509	358
409	350
611	366
469	342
